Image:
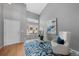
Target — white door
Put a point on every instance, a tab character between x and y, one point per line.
11	32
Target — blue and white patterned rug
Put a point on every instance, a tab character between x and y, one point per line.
38	48
42	48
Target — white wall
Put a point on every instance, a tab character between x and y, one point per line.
11	32
68	19
15	11
1	25
18	11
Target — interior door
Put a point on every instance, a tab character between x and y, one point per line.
11	32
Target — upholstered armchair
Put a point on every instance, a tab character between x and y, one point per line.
61	49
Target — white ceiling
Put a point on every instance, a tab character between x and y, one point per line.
36	7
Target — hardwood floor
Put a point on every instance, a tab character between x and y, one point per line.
12	50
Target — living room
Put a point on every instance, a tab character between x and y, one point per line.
25	23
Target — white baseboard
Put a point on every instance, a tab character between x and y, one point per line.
10	44
75	51
13	43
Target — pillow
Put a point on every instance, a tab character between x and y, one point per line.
60	40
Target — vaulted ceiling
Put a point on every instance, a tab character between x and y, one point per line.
36	7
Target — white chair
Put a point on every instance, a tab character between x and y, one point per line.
59	48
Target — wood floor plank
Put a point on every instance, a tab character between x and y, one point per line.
12	50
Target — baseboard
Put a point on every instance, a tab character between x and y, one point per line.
75	51
13	44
